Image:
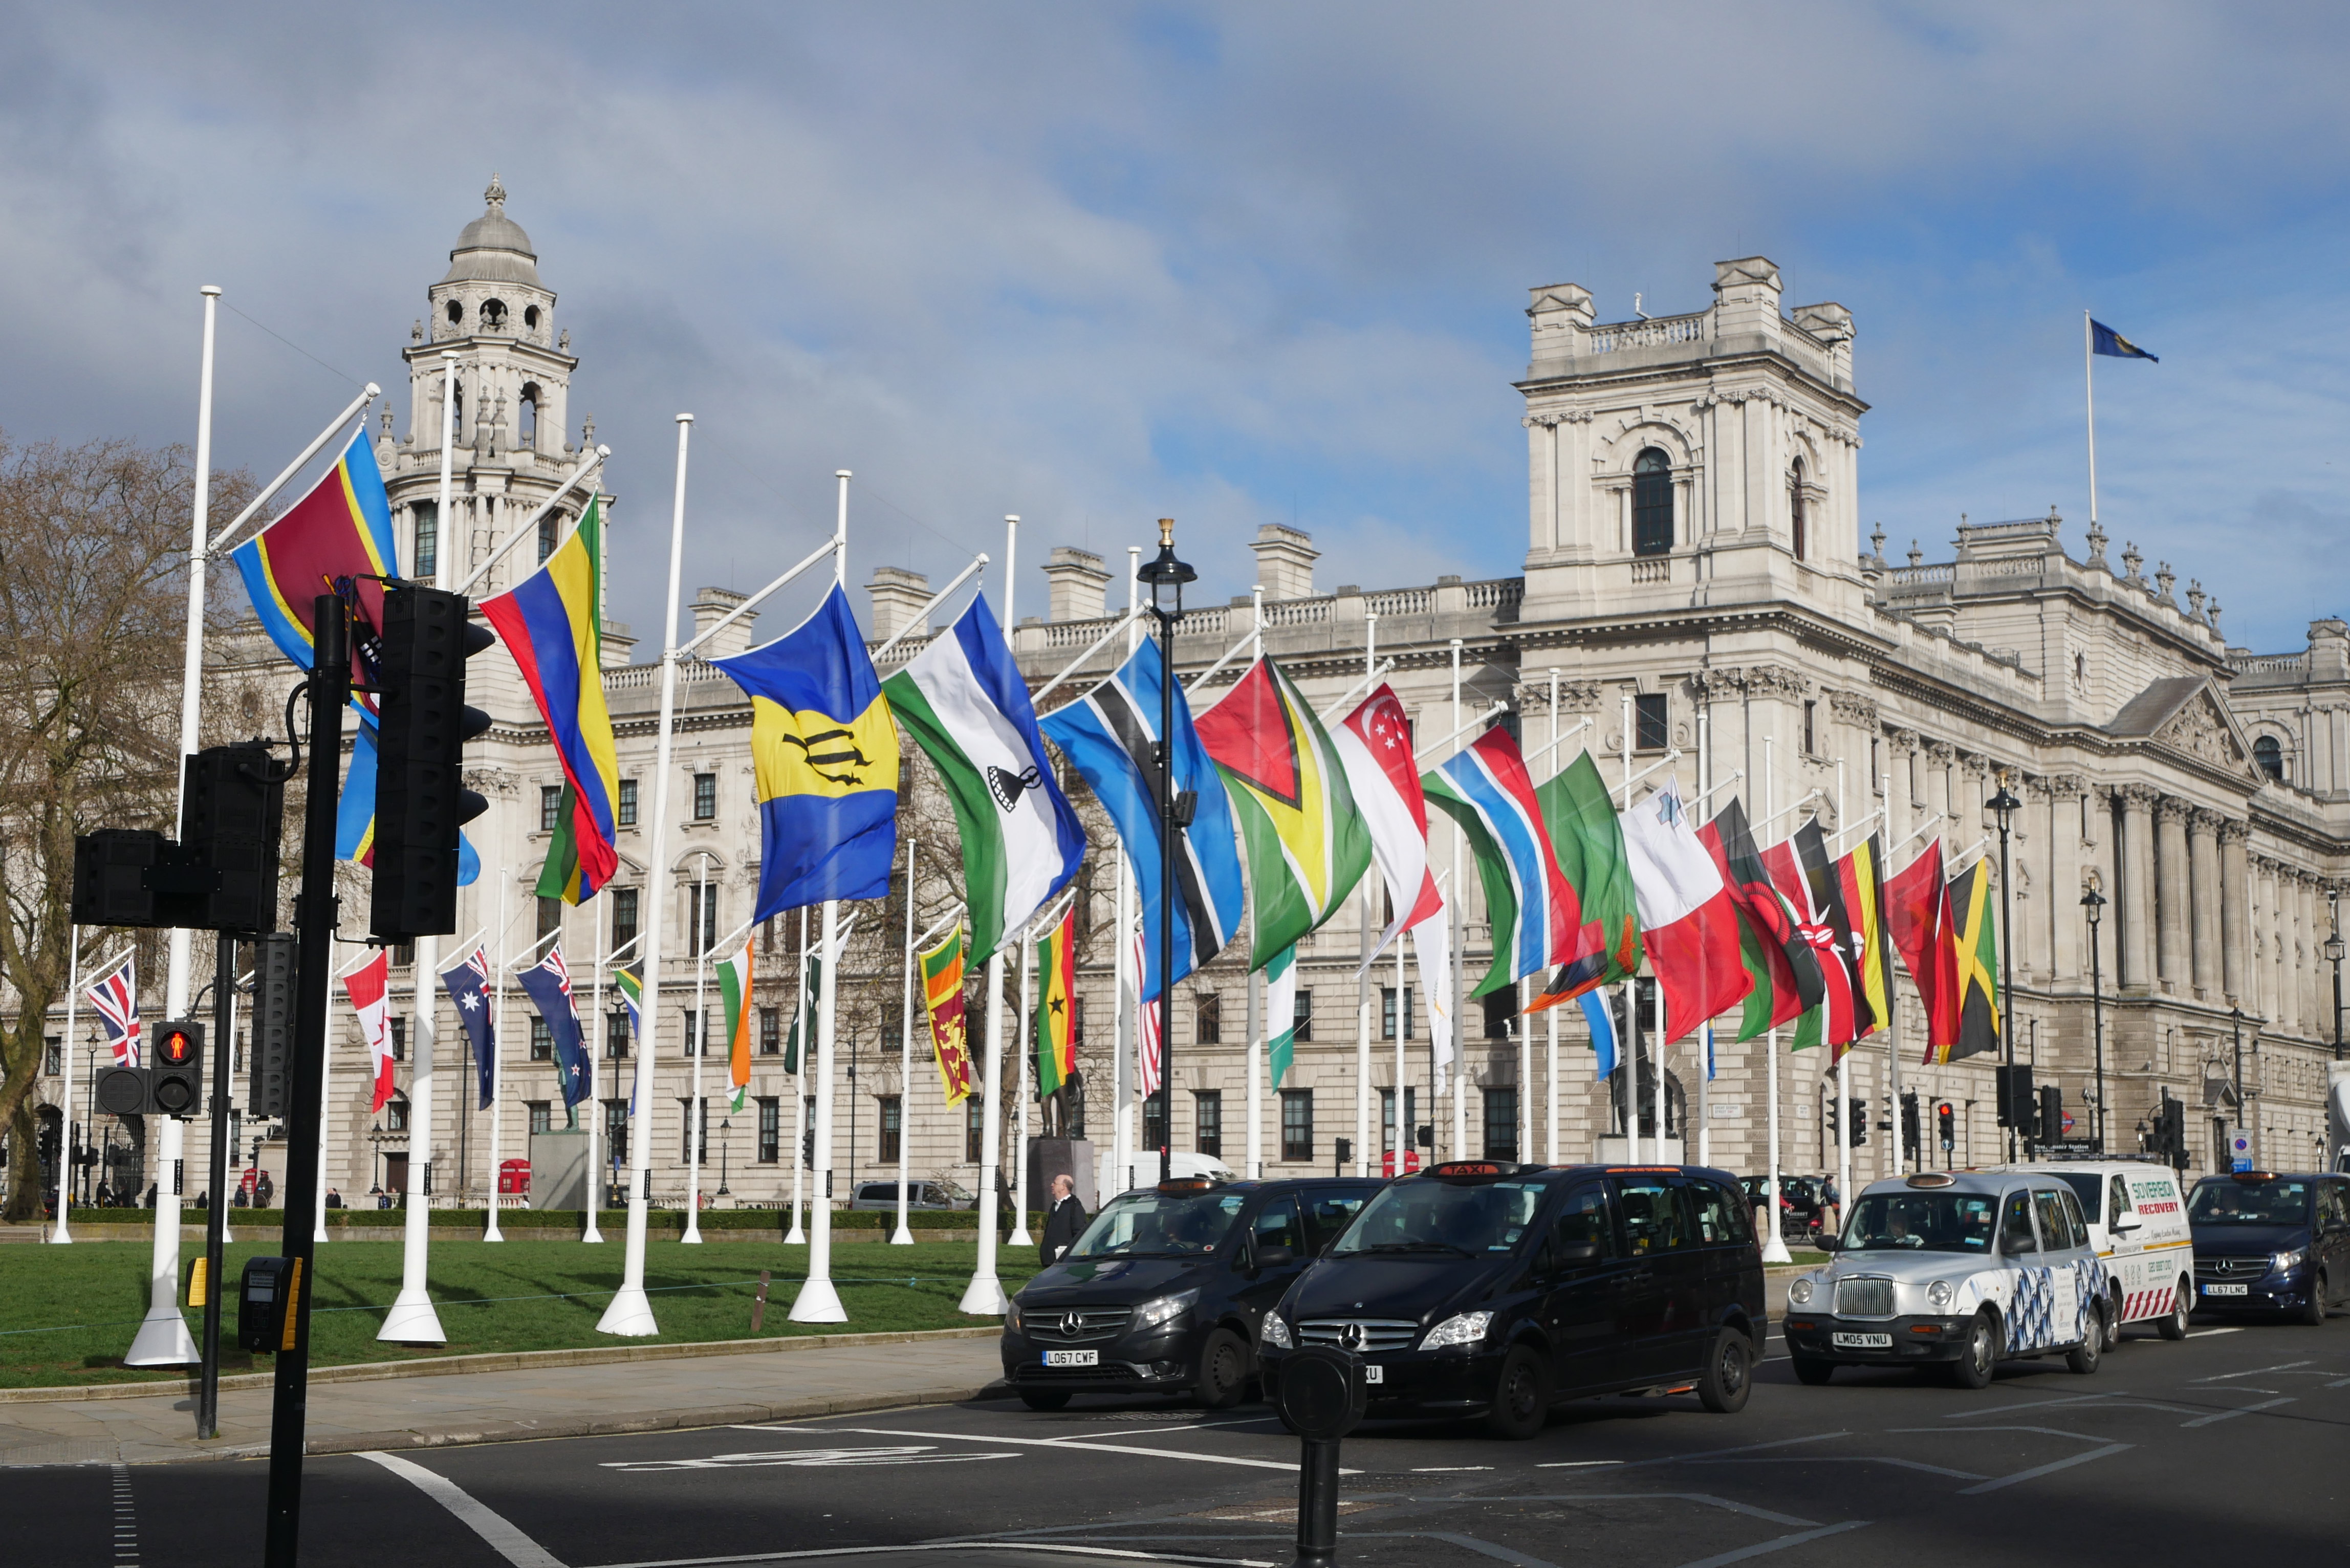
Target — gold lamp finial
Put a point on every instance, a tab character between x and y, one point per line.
1165	532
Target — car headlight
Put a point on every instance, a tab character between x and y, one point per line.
1800	1293
2291	1260
1462	1328
1275	1333
1012	1317
1940	1294
1164	1309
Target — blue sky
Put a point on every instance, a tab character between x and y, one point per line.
1097	263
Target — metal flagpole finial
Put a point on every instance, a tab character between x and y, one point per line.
1166	533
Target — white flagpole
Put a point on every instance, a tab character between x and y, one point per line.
818	1301
1702	1149
796	1237
1403	1131
904	1236
595	1046
498	1045
1127	1059
2089	381
1550	1066
984	1295
630	1312
1362	973
63	1234
1020	1237
1631	987
1460	1147
702	928
1260	998
1844	1132
1774	1246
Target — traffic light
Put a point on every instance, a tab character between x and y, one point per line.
134	877
1909	1119
2017	1108
1835	1125
1947	1114
272	1065
421	800
808	1147
2171	1133
1857	1124
2051	1113
176	1070
232	817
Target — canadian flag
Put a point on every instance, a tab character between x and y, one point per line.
367	986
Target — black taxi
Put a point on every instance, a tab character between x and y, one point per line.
1482	1288
1165	1291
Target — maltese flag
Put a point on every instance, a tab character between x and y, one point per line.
369	999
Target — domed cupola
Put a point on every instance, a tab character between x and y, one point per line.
491	288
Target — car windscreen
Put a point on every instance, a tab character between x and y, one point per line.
1921	1222
2230	1203
2089	1187
1426	1215
1159	1225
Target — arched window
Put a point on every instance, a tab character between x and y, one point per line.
530	316
1796	508
493	314
2268	754
1652	503
456	312
526	430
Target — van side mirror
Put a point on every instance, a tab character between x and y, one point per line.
1274	1257
1826	1243
2124	1223
1574	1255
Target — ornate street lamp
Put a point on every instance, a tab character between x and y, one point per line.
2005	807
1166	576
2092	904
725	1144
2334	953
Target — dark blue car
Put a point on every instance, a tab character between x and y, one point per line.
2270	1242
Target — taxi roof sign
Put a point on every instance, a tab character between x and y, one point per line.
1933	1178
1468	1169
1188	1185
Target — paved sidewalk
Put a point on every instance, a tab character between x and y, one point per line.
508	1406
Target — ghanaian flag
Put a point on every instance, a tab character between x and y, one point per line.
1056	1004
1975	935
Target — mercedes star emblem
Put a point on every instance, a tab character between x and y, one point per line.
1351	1336
1070	1324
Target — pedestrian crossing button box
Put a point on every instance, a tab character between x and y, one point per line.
263	1297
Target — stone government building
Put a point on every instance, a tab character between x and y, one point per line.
1693	559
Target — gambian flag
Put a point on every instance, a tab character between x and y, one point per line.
1976	943
963	701
1686	919
1860	877
1281	1009
734	989
1589	840
1056	1004
548	622
1535	920
1307	845
942	997
1800	869
1918	922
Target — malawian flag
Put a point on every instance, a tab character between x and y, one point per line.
548	984
1535	920
942	999
1688	922
1800	869
116	999
963	701
1056	1004
1918	921
630	987
1110	735
1589	841
1860	877
468	984
548	622
2104	340
1280	1014
1374	745
1307	846
1975	934
734	974
1786	976
824	755
368	987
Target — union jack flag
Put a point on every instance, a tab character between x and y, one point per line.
116	998
1146	1030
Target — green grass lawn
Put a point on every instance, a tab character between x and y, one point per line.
515	1295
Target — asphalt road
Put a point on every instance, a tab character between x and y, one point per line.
2230	1447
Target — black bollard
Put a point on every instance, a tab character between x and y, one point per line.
1322	1397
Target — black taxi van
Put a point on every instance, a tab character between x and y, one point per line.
1165	1291
2272	1241
1482	1288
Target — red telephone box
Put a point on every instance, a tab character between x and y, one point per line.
514	1177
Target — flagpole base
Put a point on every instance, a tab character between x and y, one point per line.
692	1237
1775	1250
902	1237
630	1314
796	1237
60	1237
592	1237
493	1233
984	1298
1020	1238
411	1321
818	1302
163	1341
317	1237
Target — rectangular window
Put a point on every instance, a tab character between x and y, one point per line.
550	534
400	1039
616	1133
53	1054
1207	1121
550	807
1302	1015
1076	1019
697	1034
705	798
701	904
1297	1124
625	811
771	1032
616	1033
1501	1011
1387	1113
1207	1019
1649	721
974	1133
427	553
685	1130
550	918
1502	1123
624	923
1811	732
893	1127
771	1129
541	1039
404	955
1154	1129
1388	1012
541	1119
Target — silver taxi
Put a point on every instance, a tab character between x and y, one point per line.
1957	1269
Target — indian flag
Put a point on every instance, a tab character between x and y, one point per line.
963	701
734	989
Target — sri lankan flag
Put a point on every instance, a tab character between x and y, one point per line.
1306	843
1056	1004
1975	935
942	998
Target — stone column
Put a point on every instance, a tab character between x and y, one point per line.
2172	892
2235	913
2134	899
2288	929
1937	795
2271	938
2203	900
2067	930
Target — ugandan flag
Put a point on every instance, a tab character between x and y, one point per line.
1975	940
1056	1004
1307	845
1861	878
942	999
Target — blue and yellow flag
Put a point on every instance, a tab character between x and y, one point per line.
826	756
2104	339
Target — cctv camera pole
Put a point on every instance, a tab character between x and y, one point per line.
315	916
216	1213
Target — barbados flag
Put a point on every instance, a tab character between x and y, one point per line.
825	754
548	622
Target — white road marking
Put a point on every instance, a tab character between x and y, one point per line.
1577	1464
1184	1426
2257	1371
2027	1405
2036	1472
1780	1544
1060	1445
2208	1333
830	1553
1446	1469
905	1454
2231	1415
506	1540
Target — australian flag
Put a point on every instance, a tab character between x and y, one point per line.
469	987
2104	339
549	985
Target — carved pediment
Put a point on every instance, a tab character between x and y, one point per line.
2201	728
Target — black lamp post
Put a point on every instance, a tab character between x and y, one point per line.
1166	576
2092	904
2005	807
2236	1018
2333	954
725	1146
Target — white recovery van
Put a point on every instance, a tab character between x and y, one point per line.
2137	1222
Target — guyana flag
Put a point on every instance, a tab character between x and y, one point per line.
1861	874
1307	845
942	998
734	990
1589	841
1975	933
1056	1004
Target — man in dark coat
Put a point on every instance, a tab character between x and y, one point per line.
1064	1222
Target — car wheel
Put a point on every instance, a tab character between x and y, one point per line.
2114	1318
2084	1358
1224	1369
1520	1395
2174	1324
2316	1310
1980	1356
1811	1372
1045	1399
1729	1374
